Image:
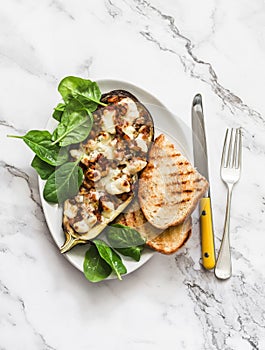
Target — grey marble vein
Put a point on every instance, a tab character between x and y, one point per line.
217	315
34	68
4	289
4	248
16	172
213	19
11	49
113	10
85	67
4	123
59	6
209	36
21	304
196	67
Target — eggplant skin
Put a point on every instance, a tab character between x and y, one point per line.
115	96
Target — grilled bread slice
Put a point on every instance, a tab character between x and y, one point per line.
164	241
169	187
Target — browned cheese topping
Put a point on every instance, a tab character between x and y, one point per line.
113	154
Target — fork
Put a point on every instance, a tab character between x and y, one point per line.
230	174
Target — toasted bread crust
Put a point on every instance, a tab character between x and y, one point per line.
163	241
172	239
170	187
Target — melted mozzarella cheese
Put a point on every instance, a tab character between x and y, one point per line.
108	121
70	210
84	225
132	110
134	166
106	150
91	145
102	144
116	182
104	138
141	143
129	131
108	208
113	173
119	185
79	198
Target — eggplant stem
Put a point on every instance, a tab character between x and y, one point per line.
70	242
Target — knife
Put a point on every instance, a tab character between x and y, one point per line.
201	163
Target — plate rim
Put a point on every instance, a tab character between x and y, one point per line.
44	204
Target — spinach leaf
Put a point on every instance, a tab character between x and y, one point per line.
58	111
112	258
64	183
125	240
43	169
84	90
40	141
124	236
95	268
133	252
75	125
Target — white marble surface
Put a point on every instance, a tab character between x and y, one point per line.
173	49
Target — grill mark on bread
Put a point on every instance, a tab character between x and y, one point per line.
175	183
173	174
183	163
172	183
195	180
199	180
181	191
186	172
176	155
134	217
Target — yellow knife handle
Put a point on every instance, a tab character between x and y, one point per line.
207	237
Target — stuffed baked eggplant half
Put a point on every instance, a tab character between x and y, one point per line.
111	157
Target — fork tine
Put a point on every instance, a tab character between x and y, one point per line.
230	174
223	161
240	148
229	153
236	150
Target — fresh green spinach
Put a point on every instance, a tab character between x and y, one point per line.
58	111
86	91
126	240
40	141
95	268
64	183
112	258
43	169
81	98
133	252
75	125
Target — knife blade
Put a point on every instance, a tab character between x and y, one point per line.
201	163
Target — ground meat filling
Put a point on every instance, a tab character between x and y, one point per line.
112	155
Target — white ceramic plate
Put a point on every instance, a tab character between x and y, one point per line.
164	122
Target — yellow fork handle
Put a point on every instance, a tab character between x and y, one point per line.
207	237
